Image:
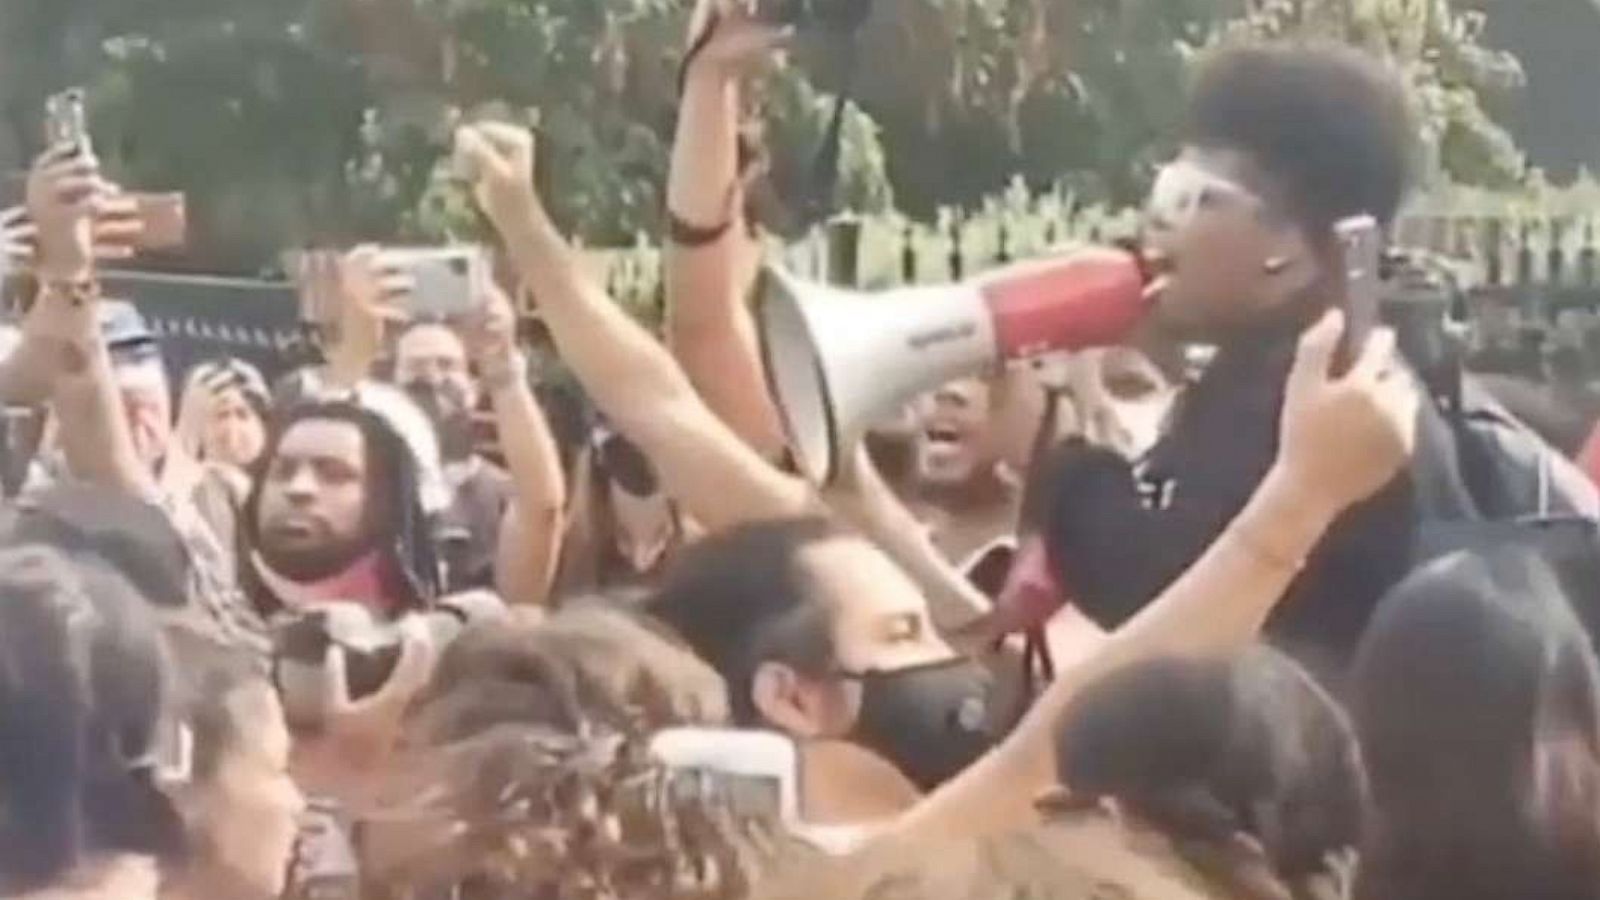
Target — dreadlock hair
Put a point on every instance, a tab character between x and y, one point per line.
395	518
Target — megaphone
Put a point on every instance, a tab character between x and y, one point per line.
838	360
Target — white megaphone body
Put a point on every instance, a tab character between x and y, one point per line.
838	360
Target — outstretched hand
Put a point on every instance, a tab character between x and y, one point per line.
500	159
726	39
1343	438
65	193
372	289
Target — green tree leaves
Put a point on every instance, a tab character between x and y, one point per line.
294	121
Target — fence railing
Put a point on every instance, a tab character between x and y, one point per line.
1523	265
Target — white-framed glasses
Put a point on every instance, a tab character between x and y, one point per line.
1182	190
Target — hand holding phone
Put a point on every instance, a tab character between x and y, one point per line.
1361	248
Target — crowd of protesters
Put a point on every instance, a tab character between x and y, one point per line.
1317	620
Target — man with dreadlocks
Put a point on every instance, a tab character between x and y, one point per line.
337	515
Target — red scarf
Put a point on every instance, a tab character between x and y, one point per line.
360	582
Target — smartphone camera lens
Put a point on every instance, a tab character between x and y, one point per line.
458	266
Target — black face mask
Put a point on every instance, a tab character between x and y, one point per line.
931	721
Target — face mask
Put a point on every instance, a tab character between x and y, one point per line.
931	721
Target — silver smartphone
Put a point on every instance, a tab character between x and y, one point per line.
444	279
67	120
1361	244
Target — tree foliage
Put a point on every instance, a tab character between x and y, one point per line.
1440	50
293	121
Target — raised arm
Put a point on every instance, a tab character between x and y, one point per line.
718	478
710	254
1342	440
61	332
369	287
26	372
531	534
868	504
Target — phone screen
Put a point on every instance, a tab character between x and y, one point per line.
743	796
757	774
1361	243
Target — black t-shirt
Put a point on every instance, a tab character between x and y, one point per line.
1120	534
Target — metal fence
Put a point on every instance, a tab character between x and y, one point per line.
1525	272
197	318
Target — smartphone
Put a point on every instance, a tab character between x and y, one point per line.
1361	245
67	121
164	219
301	650
444	278
757	772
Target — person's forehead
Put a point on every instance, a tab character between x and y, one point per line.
330	438
858	584
1223	162
429	340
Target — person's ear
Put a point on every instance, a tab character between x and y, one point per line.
790	702
1293	265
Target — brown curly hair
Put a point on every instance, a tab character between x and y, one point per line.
527	772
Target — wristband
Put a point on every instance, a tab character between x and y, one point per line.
686	234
